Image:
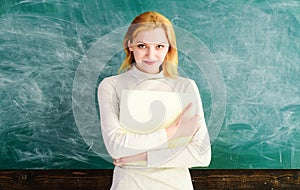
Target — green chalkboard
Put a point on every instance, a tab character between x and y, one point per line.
243	54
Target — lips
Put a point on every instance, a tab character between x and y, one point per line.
149	62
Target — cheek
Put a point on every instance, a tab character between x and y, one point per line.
163	54
137	55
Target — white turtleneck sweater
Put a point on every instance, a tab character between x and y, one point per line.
166	167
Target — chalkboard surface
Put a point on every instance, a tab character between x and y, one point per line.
244	56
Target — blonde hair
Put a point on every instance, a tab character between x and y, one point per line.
149	21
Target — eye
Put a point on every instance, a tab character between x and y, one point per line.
142	46
160	46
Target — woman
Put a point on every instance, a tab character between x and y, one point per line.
147	160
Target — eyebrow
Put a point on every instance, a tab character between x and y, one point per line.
164	43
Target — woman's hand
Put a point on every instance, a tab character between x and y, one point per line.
185	125
124	160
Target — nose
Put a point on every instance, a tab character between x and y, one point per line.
151	52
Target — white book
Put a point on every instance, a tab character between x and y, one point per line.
144	111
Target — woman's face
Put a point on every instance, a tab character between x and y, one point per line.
149	49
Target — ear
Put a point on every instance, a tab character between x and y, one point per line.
129	45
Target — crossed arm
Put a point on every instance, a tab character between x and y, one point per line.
152	148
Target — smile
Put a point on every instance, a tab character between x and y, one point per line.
149	62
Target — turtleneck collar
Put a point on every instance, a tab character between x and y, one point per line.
140	74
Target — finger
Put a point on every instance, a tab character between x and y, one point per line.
178	121
196	117
195	120
187	108
117	162
179	117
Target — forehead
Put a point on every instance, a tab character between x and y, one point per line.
156	35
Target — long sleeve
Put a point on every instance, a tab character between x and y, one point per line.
196	153
119	144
